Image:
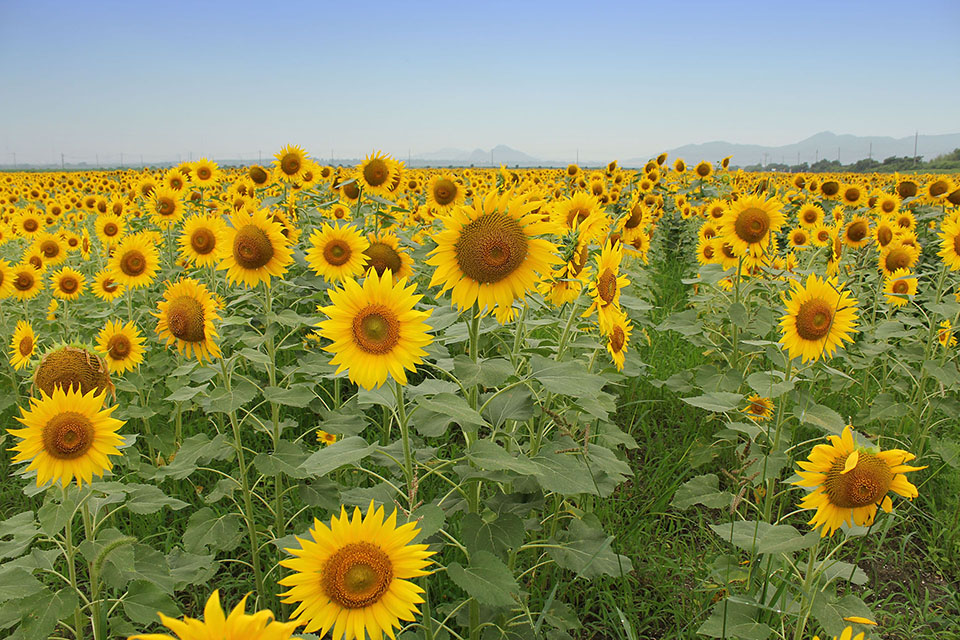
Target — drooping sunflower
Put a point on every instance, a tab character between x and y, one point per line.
23	345
121	344
337	253
6	279
166	207
201	240
109	228
105	287
749	224
758	407
900	287
884	233
618	338
849	482
290	163
355	576
820	316
444	192
239	625
386	254
26	281
72	368
134	262
258	249
489	254
606	287
185	317
67	435
375	330
67	283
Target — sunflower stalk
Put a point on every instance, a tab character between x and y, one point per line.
405	436
94	574
279	521
70	553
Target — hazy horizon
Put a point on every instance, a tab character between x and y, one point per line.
233	80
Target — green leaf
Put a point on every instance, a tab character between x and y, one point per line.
191	568
512	404
348	420
343	452
147	498
299	395
436	413
492	457
570	378
703	490
730	619
487	580
220	400
763	537
716	401
54	514
255	356
738	314
830	611
587	549
564	473
823	417
185	393
838	569
143	601
490	372
21	529
207	529
194	451
948	450
16	583
769	384
40	618
285	460
498	536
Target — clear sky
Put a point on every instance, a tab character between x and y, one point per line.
614	80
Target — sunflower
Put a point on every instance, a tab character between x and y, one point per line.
581	212
105	287
337	253
850	481
6	279
679	165
898	255
444	192
205	173
325	438
51	247
749	224
67	283
134	262
72	368
900	287
258	249
606	287
217	626
185	316
799	238
758	407
937	189
260	176
175	179
884	233
375	330
847	634
565	283
489	255
707	250
355	576
386	254
23	345
887	204
29	222
290	163
166	207
819	317
376	173
950	245
852	195
109	228
703	169
122	344
618	338
201	240
26	281
67	435
857	232
945	335
338	211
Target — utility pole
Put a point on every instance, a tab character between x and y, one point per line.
578	156
764	159
916	135
61	161
818	156
798	158
14	160
871	151
98	160
838	155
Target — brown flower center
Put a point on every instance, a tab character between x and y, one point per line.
809	216
357	575
118	347
830	188
204	173
636	217
50	248
491	247
110	229
863	485
289	164
376	329
857	231
901	286
351	190
708	252
30	225
133	263
68	284
26	346
617	339
382	256
445	191
252	248
67	435
203	241
166	206
258	175
109	285
938	188
376	172
814	319
24	281
851	194
884	235
185	319
607	286
337	252
897	259
752	225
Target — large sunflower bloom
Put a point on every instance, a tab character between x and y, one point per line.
377	173
375	329
67	436
820	316
134	262
605	289
23	345
122	344
67	283
166	207
239	625
749	224
105	287
290	163
489	255
444	192
201	240
355	576
900	287
185	316
337	253
258	249
850	482
26	281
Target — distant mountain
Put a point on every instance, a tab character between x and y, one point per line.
817	147
500	154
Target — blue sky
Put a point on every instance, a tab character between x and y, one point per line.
614	80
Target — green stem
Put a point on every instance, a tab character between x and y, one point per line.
245	487
806	601
94	570
71	555
562	345
405	436
279	522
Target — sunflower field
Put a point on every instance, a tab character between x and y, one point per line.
304	401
